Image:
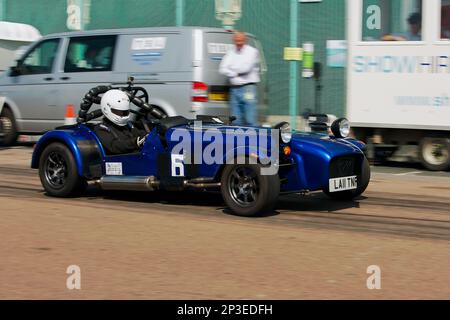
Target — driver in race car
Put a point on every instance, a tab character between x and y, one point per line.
116	133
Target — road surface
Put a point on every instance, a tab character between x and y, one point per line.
188	246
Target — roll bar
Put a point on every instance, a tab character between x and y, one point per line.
93	97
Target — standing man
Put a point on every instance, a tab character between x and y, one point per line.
241	66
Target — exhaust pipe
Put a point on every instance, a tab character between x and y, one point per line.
132	183
201	183
137	183
188	184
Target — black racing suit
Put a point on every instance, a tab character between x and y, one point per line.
118	139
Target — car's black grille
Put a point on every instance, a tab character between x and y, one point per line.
345	166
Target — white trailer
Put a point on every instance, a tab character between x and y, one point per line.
398	90
13	37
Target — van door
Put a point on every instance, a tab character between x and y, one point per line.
216	45
31	86
160	62
87	63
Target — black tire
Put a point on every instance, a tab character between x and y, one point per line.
260	192
351	194
434	153
58	172
8	127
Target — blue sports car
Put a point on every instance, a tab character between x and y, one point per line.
250	166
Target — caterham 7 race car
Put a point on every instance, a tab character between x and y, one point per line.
250	166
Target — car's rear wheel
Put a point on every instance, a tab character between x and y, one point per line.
247	192
8	128
58	172
362	185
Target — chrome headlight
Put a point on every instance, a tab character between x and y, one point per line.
285	131
341	128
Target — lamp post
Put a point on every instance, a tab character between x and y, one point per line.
228	11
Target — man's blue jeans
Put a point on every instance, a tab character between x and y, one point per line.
243	102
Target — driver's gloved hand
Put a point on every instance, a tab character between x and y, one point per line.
141	140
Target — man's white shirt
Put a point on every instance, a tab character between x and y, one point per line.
241	67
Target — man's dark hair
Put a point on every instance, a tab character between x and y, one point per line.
415	18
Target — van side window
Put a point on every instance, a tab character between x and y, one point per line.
40	59
86	54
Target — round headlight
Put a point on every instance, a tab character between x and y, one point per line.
285	131
341	128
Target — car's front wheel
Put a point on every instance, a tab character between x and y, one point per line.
58	172
248	192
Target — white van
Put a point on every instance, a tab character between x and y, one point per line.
178	66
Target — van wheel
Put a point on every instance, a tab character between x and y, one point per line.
434	153
247	192
8	128
58	172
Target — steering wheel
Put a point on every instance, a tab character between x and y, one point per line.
139	93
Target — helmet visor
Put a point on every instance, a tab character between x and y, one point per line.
120	113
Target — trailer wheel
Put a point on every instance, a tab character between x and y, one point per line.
434	153
58	172
247	192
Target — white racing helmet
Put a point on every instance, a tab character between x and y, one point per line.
116	106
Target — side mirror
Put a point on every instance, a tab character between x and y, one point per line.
14	71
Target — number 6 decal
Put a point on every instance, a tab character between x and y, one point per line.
177	165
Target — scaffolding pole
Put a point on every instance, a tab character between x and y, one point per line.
179	13
2	9
293	65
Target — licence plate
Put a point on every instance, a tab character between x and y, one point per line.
218	96
343	183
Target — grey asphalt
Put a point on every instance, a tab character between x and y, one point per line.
187	245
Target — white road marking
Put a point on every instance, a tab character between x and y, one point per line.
407	173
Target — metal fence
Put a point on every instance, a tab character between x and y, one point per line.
267	19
